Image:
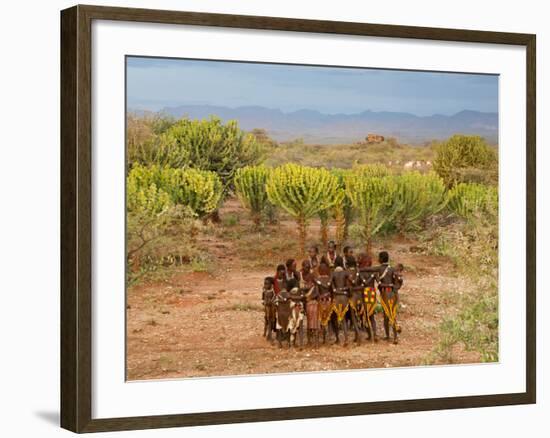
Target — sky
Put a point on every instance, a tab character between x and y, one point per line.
157	83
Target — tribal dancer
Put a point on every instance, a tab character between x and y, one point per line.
313	258
270	310
330	257
369	295
311	294
279	283
356	300
292	271
348	255
340	282
389	297
325	298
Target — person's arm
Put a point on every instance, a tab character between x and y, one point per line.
372	269
349	281
397	280
331	285
365	279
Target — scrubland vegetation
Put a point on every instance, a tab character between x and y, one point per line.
180	173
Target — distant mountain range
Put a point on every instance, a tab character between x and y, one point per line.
316	127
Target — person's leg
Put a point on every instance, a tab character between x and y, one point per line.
316	334
335	327
355	322
301	335
386	327
373	326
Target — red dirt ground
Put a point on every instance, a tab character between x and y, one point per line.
210	324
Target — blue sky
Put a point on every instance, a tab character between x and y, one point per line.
155	83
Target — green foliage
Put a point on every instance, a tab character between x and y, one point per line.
141	132
324	219
473	247
465	158
160	241
416	197
372	197
302	192
230	220
475	326
250	186
372	170
155	188
345	156
201	190
146	198
469	200
343	210
202	144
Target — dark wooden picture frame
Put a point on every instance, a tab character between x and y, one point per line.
76	217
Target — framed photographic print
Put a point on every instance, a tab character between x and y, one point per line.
259	205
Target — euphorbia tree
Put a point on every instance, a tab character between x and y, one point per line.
470	200
417	196
302	192
152	188
343	210
250	182
462	157
372	197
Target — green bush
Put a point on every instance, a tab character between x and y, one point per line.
416	197
155	188
473	248
465	158
250	182
146	198
303	192
345	156
372	197
475	326
372	170
141	131
202	144
343	210
160	241
469	200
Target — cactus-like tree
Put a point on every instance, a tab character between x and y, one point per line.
372	197
302	192
250	183
146	200
200	190
324	218
372	170
416	197
464	158
469	200
343	210
202	144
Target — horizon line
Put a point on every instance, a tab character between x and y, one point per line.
166	108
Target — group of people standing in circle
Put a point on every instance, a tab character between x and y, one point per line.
333	292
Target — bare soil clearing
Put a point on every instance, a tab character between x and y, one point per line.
210	323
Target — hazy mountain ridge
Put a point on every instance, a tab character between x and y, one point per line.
314	126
